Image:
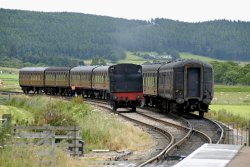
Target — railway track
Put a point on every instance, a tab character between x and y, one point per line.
187	137
207	126
176	137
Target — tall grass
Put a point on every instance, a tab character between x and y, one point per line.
228	117
106	131
28	156
98	129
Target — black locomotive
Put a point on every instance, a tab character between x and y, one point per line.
183	86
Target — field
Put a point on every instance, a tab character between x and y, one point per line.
132	58
234	88
9	81
184	55
231	104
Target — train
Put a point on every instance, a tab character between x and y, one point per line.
182	86
120	84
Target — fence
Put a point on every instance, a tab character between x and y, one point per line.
49	135
5	129
236	135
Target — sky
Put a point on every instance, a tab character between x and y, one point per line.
182	10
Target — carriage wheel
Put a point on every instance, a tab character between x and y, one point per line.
133	108
114	107
201	114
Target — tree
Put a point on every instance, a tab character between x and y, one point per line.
98	61
231	77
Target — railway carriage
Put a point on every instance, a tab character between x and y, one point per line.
57	80
32	79
100	82
121	84
150	84
81	78
183	86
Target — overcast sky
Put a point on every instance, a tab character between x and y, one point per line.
183	10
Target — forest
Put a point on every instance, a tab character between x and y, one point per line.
66	39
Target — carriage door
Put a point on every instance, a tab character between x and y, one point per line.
193	82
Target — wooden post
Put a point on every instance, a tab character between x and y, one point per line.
6	119
53	146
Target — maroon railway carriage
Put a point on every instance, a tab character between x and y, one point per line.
57	81
81	78
32	79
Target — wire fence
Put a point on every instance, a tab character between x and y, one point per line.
235	134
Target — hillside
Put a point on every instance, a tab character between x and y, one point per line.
68	38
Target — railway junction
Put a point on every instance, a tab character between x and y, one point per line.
185	141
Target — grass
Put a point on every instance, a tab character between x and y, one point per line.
99	130
231	104
8	70
27	156
231	88
241	110
229	114
231	98
184	55
9	82
132	58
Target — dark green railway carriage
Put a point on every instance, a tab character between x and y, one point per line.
182	86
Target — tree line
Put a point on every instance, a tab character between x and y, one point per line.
66	39
231	73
